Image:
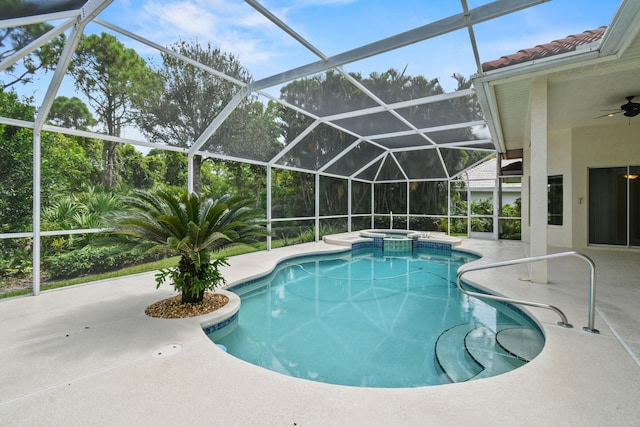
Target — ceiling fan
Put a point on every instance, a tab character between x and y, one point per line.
630	109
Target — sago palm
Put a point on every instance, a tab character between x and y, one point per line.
192	225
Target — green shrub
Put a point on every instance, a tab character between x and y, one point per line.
92	260
510	229
15	258
426	224
458	226
206	277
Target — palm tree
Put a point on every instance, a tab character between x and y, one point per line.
192	225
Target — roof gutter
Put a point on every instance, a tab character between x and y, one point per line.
486	97
624	26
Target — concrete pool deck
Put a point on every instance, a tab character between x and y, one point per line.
88	355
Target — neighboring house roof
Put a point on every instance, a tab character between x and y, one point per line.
556	47
483	176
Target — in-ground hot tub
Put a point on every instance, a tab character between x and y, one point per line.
396	243
405	240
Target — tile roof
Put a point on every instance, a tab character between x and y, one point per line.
556	47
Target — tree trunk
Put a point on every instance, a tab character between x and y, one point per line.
197	166
108	162
186	266
192	299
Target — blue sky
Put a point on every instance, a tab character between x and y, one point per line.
335	26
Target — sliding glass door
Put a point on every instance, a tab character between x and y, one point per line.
614	206
634	205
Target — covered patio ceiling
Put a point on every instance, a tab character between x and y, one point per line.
413	143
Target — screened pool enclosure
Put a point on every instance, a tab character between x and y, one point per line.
377	125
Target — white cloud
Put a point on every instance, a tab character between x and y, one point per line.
185	17
230	25
306	3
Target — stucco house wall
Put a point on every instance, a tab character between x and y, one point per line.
571	152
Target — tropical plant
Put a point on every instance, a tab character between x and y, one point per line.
195	227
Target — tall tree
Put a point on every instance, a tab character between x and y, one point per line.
66	166
133	169
112	77
71	113
192	98
44	58
15	165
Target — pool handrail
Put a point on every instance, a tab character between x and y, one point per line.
564	322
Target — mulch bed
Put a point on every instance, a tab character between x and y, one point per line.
171	308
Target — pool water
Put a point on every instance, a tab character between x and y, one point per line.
365	318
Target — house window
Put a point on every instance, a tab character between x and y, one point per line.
554	203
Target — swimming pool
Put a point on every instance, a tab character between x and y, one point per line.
370	319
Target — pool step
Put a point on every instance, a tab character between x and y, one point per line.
452	356
471	351
482	346
523	343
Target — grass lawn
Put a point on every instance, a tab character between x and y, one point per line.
142	268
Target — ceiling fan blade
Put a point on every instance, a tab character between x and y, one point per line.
609	114
630	109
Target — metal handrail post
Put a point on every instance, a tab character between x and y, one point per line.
592	288
592	295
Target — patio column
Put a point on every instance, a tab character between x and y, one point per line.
538	180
